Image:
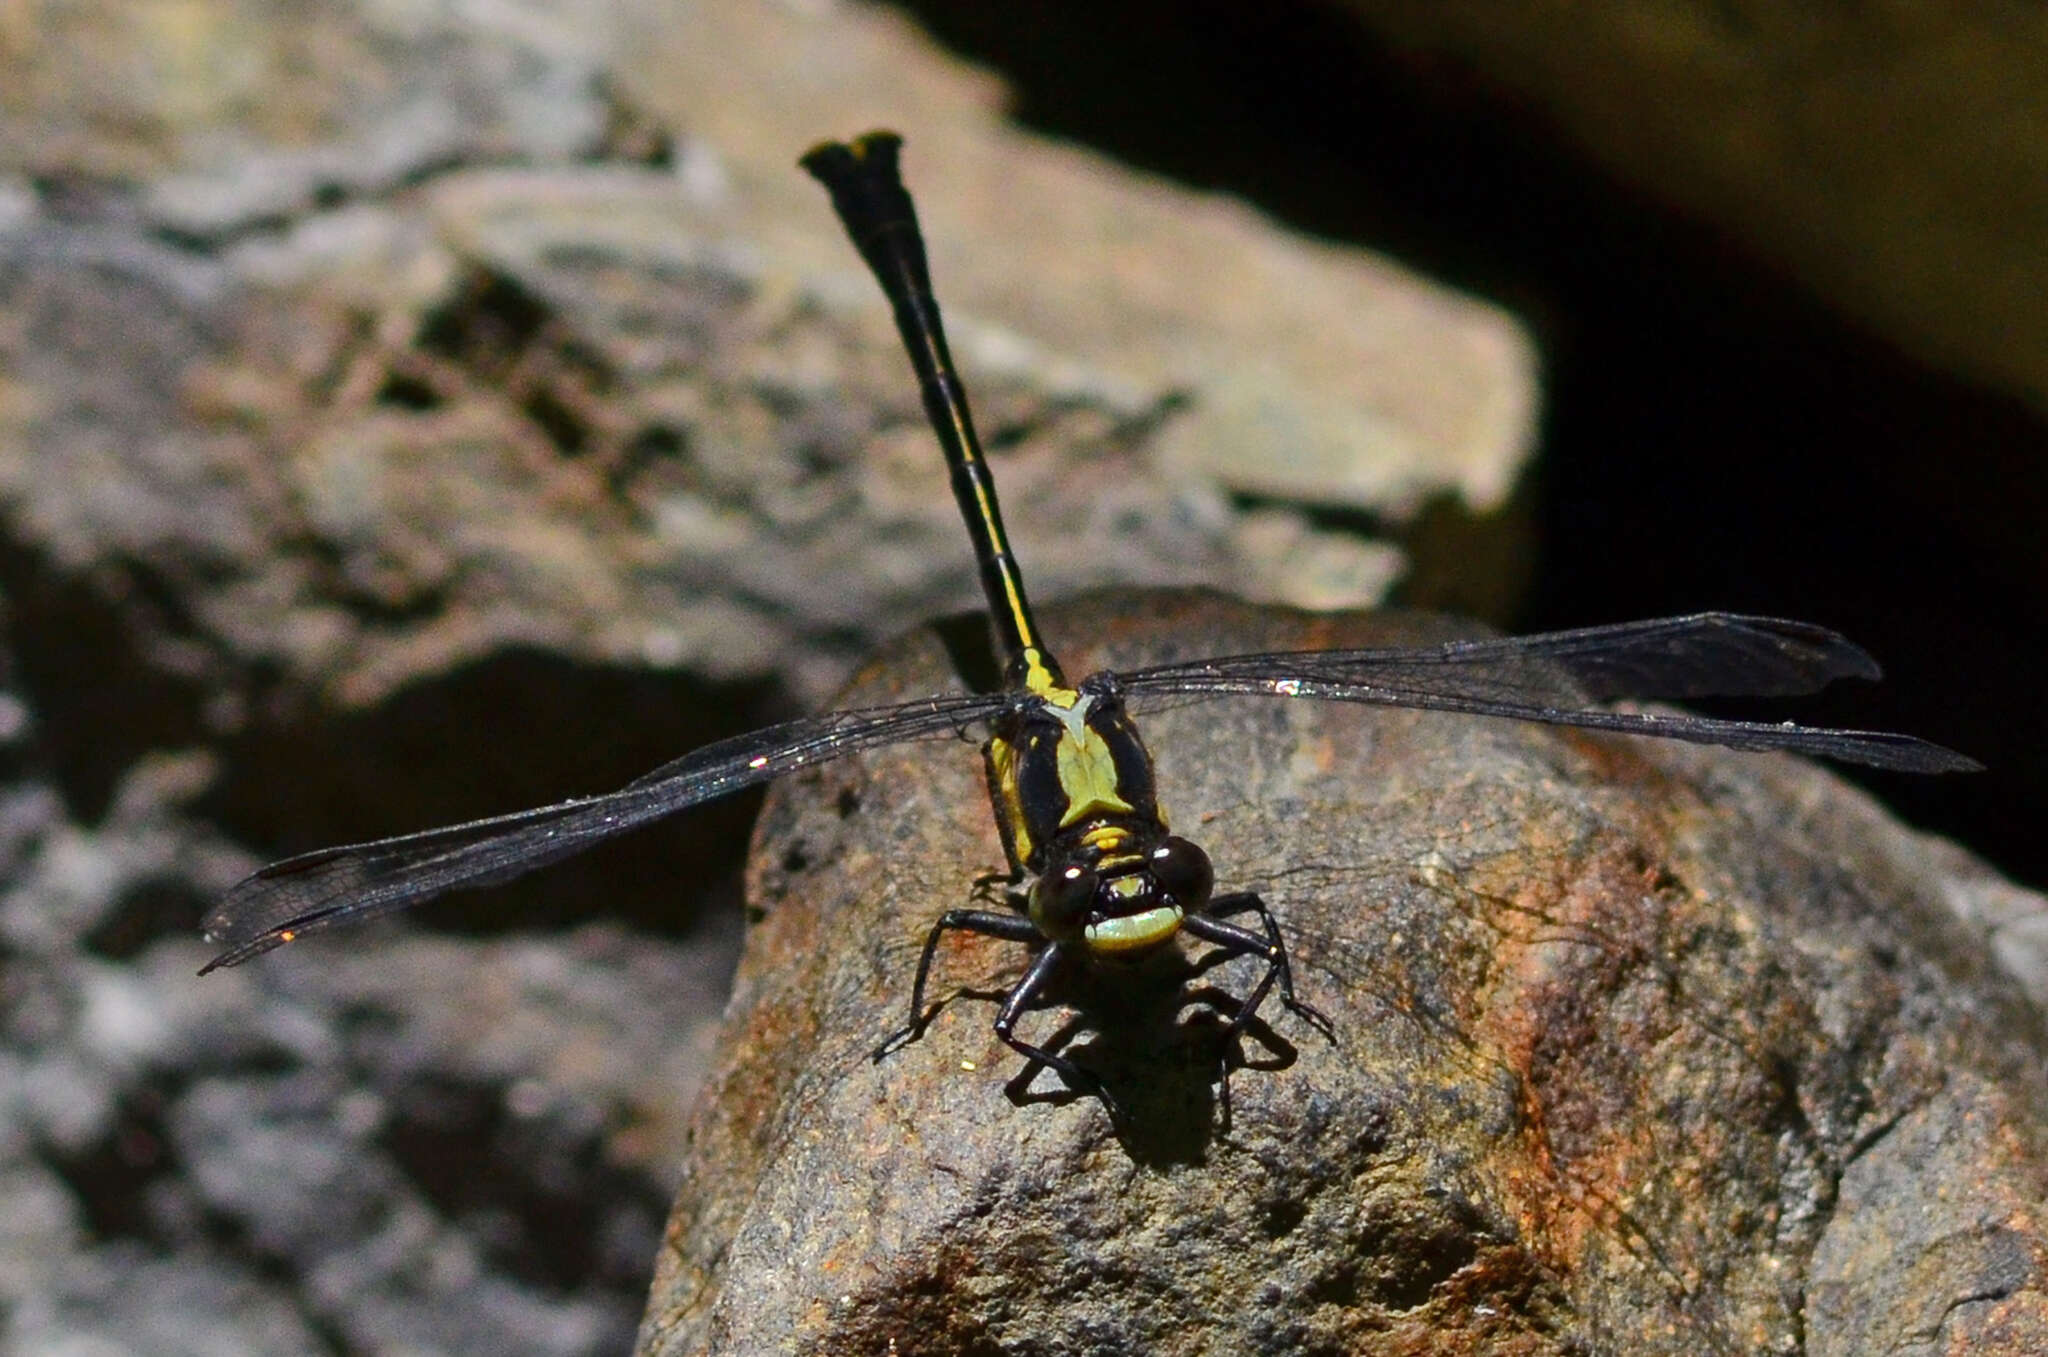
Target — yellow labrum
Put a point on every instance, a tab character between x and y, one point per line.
1134	932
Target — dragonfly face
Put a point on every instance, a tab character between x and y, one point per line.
1121	907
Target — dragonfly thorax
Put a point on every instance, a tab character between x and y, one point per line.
1072	787
1065	763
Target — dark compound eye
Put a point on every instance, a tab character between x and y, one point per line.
1183	872
1061	899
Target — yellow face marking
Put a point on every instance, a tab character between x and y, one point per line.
1134	932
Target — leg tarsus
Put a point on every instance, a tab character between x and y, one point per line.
1016	1002
1209	927
1014	927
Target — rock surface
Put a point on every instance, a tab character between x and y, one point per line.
1641	1049
410	410
544	342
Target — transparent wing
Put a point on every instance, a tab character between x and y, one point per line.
333	886
1550	678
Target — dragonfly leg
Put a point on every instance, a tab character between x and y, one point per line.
997	887
1014	927
1016	1002
1209	927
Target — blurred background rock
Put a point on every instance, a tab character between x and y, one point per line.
415	410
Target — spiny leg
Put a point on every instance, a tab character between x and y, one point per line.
998	887
1012	927
1209	927
1014	1005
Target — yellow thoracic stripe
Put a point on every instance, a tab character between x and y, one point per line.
1087	768
1002	758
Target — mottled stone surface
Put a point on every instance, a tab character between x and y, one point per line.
411	410
421	1145
1641	1049
436	330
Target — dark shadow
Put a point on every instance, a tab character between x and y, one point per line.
543	1185
1156	1045
145	910
970	648
100	700
112	1175
519	729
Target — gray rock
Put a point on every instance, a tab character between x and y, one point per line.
444	344
1641	1049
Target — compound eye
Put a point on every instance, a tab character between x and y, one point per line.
1061	899
1183	872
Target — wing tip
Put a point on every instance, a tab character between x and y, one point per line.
1899	753
1845	659
1949	761
248	948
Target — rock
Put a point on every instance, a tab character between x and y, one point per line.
484	331
1640	1048
388	372
431	1144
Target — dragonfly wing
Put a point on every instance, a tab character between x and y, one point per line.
1551	677
354	882
1705	654
1722	654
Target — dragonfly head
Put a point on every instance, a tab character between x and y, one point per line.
1124	906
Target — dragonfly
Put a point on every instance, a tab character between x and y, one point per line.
1096	877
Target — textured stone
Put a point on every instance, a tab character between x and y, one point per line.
439	330
1640	1049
